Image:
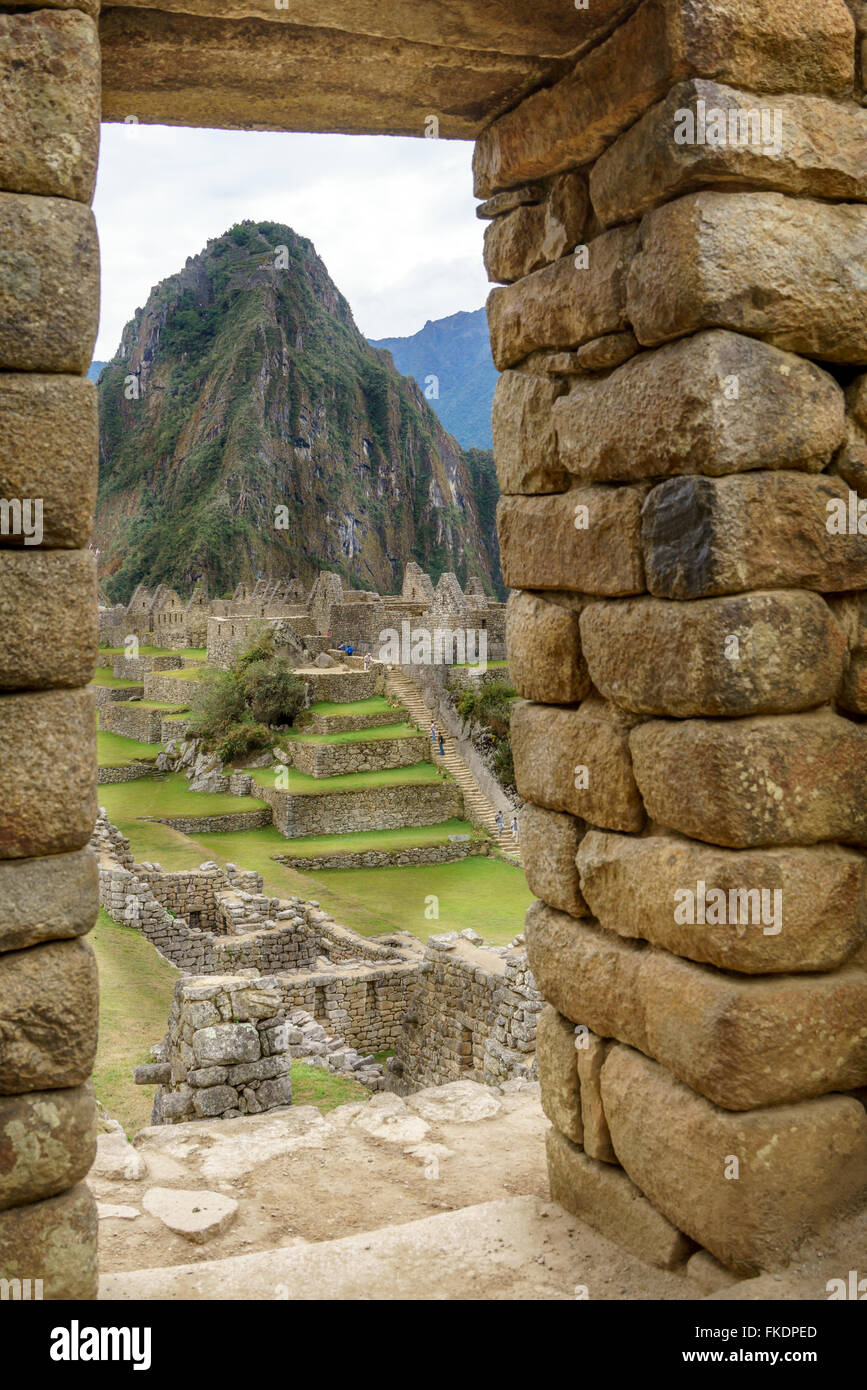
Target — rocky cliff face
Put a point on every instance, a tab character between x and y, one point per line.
247	428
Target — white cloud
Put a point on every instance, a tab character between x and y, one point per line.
393	219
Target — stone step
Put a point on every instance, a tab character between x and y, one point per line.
517	1248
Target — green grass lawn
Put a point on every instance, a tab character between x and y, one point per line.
103	676
184	673
135	995
114	750
489	895
153	651
299	784
128	802
490	665
377	704
408	837
354	735
170	706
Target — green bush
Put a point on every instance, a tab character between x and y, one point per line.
273	691
261	649
243	737
219	704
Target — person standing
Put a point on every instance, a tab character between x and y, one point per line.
442	746
433	732
514	828
499	823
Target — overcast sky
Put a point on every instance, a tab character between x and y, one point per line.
393	219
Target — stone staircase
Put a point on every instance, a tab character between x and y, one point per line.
479	809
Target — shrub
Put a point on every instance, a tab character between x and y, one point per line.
243	737
261	649
219	704
273	691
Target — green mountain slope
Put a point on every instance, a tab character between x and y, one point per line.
457	352
243	394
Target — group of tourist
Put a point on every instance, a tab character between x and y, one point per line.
501	825
437	738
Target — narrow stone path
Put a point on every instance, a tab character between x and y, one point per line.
479	808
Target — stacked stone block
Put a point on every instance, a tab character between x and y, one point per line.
49	295
681	440
471	1016
225	1053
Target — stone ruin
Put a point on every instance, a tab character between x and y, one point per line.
681	325
305	623
342	996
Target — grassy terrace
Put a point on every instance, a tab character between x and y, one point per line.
490	665
408	837
168	706
377	704
103	676
184	673
299	784
168	796
354	735
113	750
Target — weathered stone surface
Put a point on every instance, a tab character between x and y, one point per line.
49	103
821	150
197	1216
213	1100
47	761
39	646
776	47
252	73
549	843
784	269
512	198
707	536
591	1052
714	403
851	613
556	748
525	450
586	541
798	1165
48	451
757	653
47	899
741	1041
565	304
605	1198
117	1160
90	7
558	1073
49	284
632	885
227	1043
387	1116
48	1016
602	354
458	1102
851	461
544	646
47	1143
535	235
54	1241
793	779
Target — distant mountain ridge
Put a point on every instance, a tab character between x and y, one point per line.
244	392
457	352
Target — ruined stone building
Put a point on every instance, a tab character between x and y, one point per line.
676	204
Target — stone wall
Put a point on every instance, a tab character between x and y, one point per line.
378	859
680	435
131	719
175	690
49	300
386	808
106	695
207	825
131	773
362	755
471	1016
363	1003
